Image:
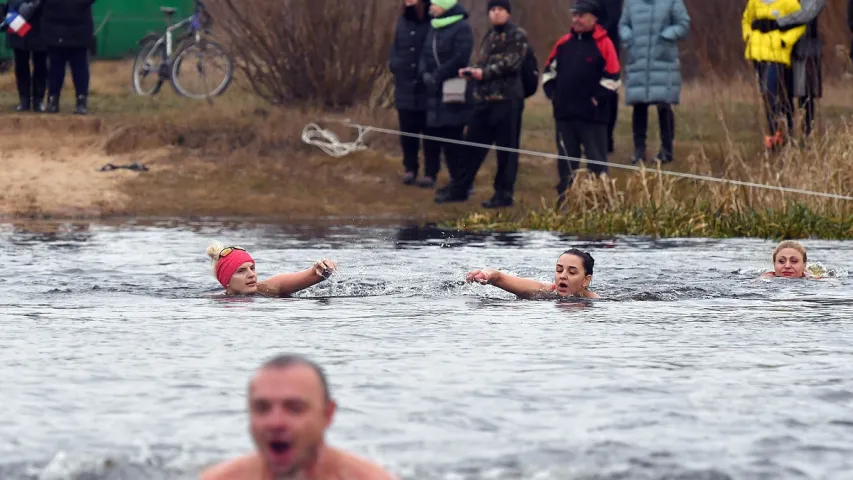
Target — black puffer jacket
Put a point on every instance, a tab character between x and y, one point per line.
68	23
611	12
33	40
453	45
409	91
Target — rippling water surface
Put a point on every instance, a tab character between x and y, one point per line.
117	362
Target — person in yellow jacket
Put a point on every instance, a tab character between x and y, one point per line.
771	53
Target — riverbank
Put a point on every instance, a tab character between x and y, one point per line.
237	157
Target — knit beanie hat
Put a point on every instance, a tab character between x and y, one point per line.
500	3
445	4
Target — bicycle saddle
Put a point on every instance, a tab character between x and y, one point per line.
168	10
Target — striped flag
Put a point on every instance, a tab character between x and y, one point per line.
17	23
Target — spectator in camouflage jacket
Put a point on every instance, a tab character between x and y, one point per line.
498	95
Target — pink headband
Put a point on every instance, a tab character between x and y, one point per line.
229	264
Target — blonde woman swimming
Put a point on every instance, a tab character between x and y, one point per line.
790	261
235	270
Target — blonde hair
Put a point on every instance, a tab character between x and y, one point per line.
790	244
213	251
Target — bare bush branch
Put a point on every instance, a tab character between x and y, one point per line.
325	51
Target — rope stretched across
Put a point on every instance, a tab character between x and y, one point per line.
338	149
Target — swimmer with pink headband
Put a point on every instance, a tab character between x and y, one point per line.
235	270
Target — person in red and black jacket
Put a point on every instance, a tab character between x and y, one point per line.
581	75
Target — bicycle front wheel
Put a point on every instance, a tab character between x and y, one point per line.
202	69
147	67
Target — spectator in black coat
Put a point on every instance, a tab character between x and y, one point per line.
69	31
410	95
447	50
32	84
611	12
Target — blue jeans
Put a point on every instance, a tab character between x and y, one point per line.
776	94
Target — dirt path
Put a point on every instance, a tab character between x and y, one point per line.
50	168
50	171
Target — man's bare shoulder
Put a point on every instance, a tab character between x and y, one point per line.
360	468
234	469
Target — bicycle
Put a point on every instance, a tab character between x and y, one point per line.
158	57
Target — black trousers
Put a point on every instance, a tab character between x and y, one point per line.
415	122
613	110
666	121
454	154
572	136
494	123
78	60
31	83
808	102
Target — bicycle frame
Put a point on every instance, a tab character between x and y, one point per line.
192	21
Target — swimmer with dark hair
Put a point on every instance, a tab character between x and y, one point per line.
790	261
572	277
235	270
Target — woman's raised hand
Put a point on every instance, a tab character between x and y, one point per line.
325	268
483	277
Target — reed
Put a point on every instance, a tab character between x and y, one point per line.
650	203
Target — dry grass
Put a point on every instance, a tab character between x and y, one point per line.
719	132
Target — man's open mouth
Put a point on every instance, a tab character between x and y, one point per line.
279	446
562	285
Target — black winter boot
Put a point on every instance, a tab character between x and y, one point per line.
24	105
639	155
81	108
38	102
53	104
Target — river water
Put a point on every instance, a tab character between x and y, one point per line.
117	361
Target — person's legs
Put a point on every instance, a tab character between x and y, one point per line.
568	146
808	105
454	156
614	113
787	92
481	130
432	155
593	137
442	147
507	132
79	60
639	127
770	91
666	121
23	79
813	91
39	80
56	76
767	88
410	122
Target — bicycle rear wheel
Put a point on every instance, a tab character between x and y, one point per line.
148	66
202	69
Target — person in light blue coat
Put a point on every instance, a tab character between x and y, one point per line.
649	30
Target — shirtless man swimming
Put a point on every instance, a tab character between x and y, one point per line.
290	409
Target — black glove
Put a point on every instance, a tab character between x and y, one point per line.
765	25
428	79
